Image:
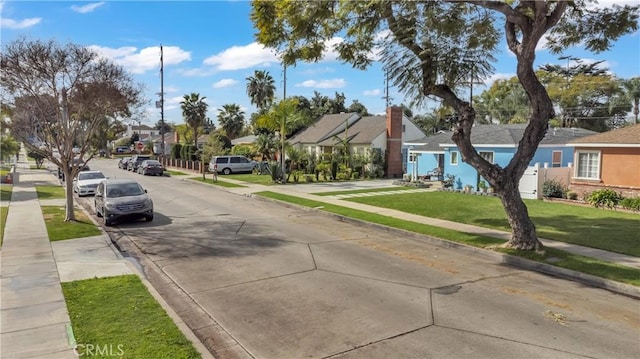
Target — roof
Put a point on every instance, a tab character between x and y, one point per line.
244	140
628	136
364	131
501	135
326	127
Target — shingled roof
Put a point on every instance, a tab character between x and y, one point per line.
626	136
502	136
362	132
326	127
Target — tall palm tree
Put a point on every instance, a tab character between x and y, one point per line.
632	88
231	119
283	116
194	112
261	89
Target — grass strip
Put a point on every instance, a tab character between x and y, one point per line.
58	229
252	178
551	256
217	183
119	313
175	173
50	192
612	231
369	190
4	210
5	192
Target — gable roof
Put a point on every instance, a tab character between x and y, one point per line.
500	136
628	136
326	127
364	131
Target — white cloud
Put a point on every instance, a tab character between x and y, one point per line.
170	89
495	77
87	8
17	24
197	72
330	54
317	71
242	57
323	84
144	60
224	83
375	92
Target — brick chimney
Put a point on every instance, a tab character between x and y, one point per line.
394	142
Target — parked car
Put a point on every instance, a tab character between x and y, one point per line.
119	199
151	167
86	182
231	164
76	162
123	163
135	161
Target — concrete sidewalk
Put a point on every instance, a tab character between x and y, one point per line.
34	320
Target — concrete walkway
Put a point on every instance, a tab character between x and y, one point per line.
33	312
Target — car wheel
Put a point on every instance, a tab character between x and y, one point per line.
226	171
149	218
105	218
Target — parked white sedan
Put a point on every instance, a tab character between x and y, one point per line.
86	182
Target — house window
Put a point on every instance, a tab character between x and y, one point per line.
588	165
454	158
486	155
404	128
556	159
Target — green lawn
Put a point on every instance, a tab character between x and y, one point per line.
50	192
250	177
59	230
591	227
551	256
356	191
5	192
209	180
4	210
119	313
175	173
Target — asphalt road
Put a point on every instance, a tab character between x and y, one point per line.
255	279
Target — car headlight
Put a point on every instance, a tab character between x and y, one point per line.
148	202
109	206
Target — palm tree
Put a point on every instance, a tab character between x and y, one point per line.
194	112
632	88
261	89
265	145
283	116
231	119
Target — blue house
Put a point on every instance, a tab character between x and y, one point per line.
496	143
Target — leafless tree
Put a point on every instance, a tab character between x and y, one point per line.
59	97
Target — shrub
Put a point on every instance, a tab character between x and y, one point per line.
604	198
631	203
572	195
553	189
175	151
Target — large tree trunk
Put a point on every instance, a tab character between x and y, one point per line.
523	231
70	215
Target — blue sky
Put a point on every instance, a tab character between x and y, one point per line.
209	48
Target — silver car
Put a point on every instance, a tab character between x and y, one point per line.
118	199
86	182
231	164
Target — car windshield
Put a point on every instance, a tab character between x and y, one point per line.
123	190
90	176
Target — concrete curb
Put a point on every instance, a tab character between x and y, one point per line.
502	258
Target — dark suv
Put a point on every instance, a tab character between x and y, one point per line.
135	161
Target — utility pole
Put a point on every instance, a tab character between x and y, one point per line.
160	105
386	96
